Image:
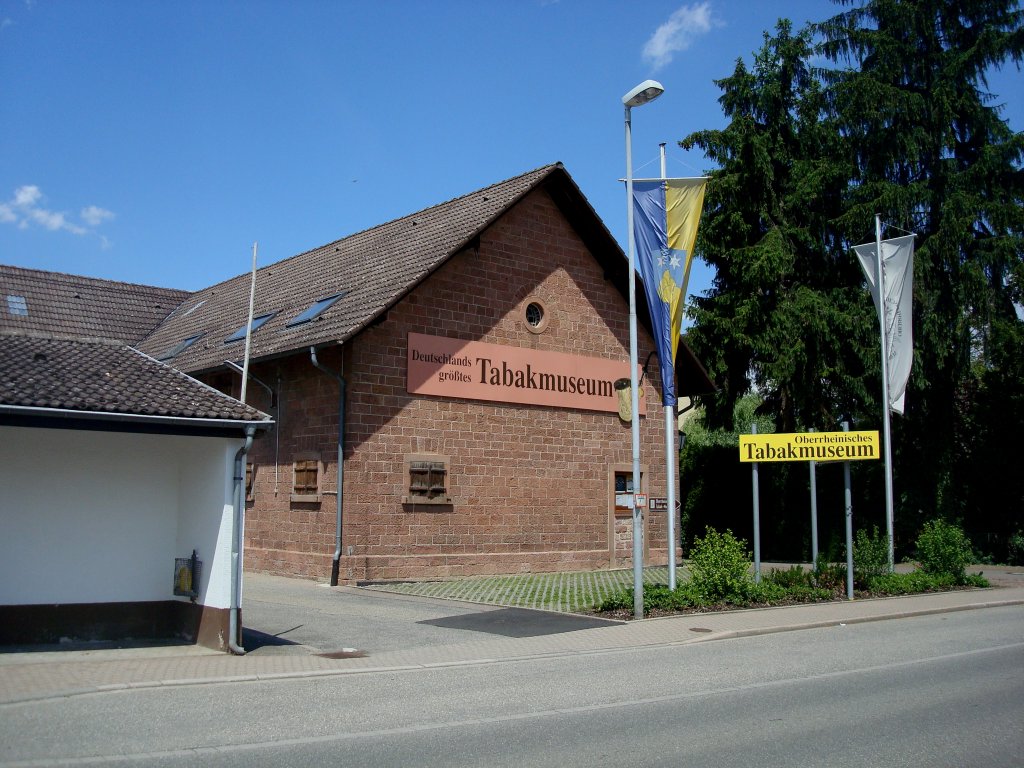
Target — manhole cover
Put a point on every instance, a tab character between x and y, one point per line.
699	629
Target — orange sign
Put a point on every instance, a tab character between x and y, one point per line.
474	370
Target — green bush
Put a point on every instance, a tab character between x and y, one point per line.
943	548
1015	549
916	582
870	555
795	576
720	574
720	566
909	583
619	601
976	580
657	597
830	576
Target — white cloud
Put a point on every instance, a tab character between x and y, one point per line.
94	215
676	34
25	209
27	196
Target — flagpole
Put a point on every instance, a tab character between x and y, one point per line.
670	444
886	421
248	327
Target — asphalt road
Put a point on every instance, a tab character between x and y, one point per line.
943	690
290	616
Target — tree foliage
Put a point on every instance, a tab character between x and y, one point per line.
784	307
900	123
928	150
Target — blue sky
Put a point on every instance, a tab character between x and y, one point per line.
154	142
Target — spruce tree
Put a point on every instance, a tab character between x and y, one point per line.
926	147
782	316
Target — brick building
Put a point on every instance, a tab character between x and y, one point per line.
465	355
462	358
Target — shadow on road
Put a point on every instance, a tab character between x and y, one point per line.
518	622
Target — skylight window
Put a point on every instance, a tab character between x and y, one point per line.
180	347
17	305
314	311
257	323
190	310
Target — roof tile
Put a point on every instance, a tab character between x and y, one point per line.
103	377
374	268
71	306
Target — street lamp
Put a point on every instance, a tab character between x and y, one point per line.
647	91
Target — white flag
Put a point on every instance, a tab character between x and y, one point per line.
898	284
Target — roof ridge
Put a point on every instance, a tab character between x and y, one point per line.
371	270
390	222
34	334
193	380
46	273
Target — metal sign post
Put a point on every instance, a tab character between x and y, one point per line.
849	524
757	517
814	513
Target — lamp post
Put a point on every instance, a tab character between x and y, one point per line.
647	91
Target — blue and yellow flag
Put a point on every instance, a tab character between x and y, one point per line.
665	217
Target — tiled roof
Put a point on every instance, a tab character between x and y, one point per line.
101	377
373	269
68	306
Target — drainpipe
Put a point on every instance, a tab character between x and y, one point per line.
335	565
275	403
238	510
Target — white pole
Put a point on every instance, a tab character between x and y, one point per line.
248	327
848	497
634	391
670	458
886	427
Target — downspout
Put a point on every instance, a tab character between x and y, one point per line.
336	564
234	625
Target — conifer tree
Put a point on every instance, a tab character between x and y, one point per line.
901	123
783	314
926	148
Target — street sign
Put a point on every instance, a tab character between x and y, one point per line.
812	446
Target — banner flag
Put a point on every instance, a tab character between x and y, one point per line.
898	286
666	213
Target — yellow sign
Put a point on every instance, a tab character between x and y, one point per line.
810	446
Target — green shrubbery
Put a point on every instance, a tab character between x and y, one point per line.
944	549
916	582
870	555
1016	549
720	564
720	568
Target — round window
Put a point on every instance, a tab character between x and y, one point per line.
534	314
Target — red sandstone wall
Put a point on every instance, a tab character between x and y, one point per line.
529	485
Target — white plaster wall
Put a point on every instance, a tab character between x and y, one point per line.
100	516
205	489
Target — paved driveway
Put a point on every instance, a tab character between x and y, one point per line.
293	616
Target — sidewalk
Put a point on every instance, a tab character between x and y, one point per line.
41	675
